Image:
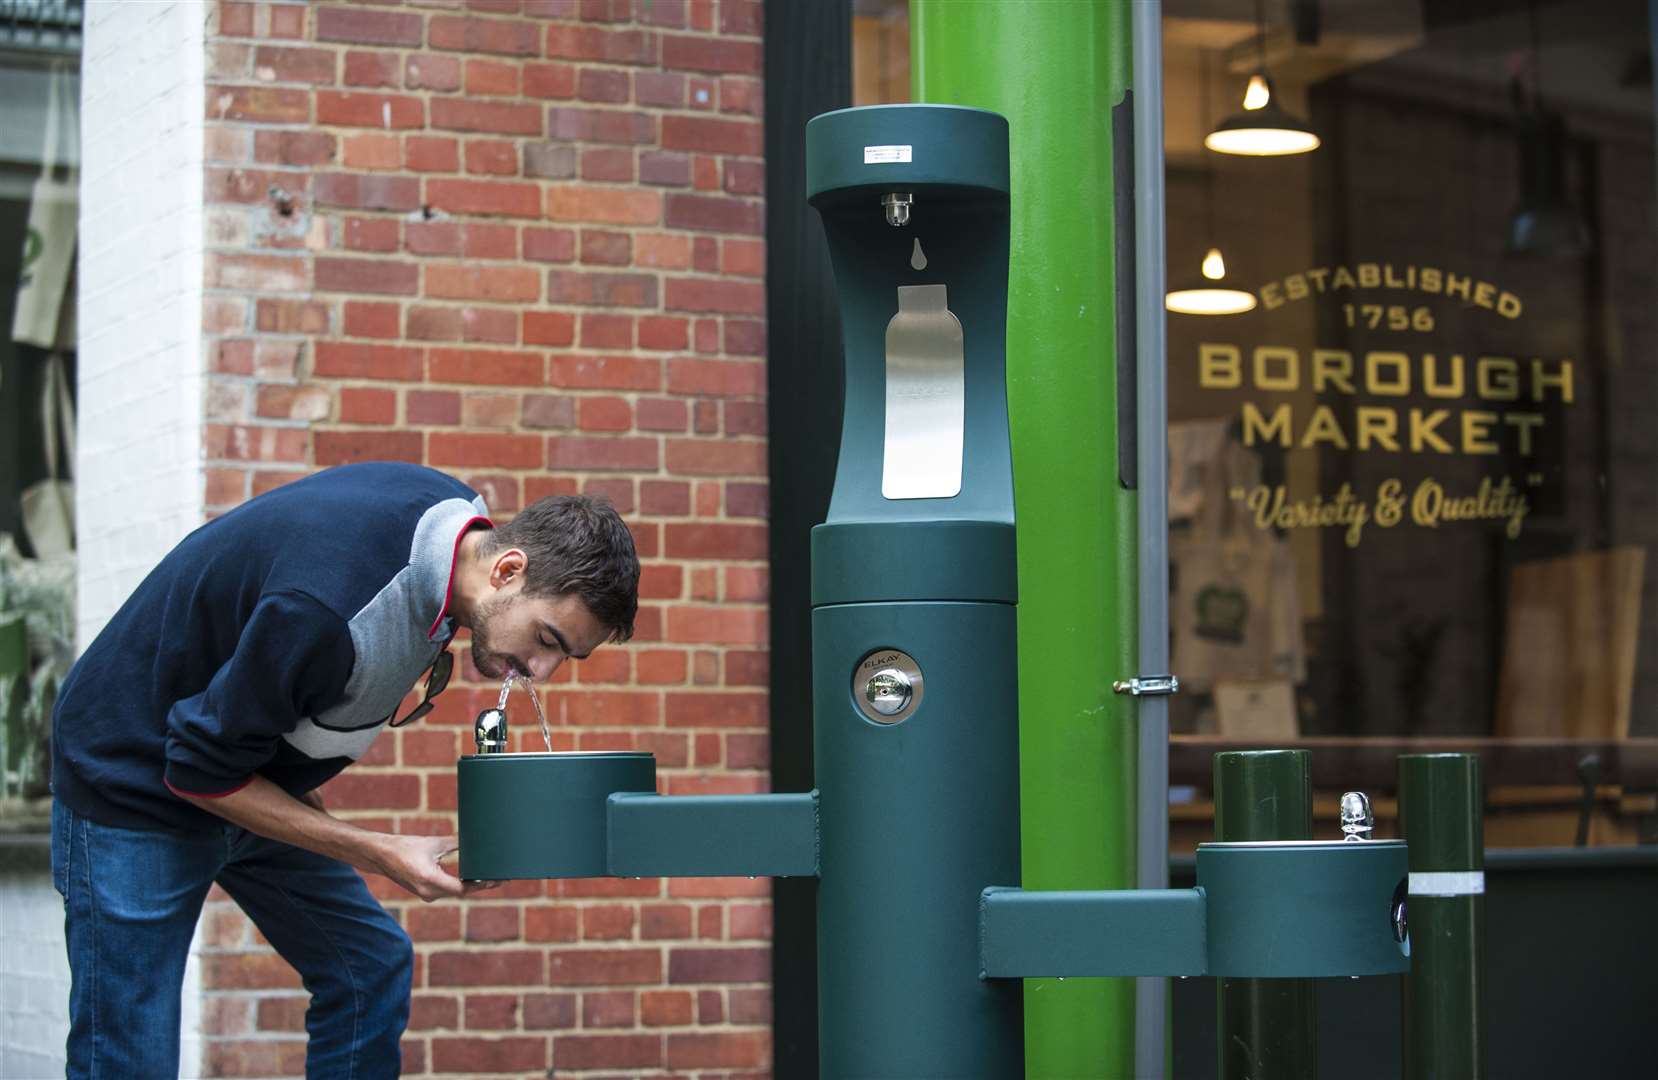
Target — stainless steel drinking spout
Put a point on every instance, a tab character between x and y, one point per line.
1358	821
490	731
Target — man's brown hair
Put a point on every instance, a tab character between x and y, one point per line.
576	545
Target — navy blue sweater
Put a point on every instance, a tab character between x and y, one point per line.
276	640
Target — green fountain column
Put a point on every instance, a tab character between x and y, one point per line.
915	703
1057	70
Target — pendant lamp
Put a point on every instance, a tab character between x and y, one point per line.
1210	297
1207	296
1545	224
1263	128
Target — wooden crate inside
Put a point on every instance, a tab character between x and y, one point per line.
1569	645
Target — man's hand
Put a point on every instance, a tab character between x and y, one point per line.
414	862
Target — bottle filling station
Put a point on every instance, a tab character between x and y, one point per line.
913	829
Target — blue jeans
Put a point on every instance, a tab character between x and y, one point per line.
131	899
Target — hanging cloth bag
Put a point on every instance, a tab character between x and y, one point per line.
49	243
49	504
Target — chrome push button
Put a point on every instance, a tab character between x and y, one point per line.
888	692
887	685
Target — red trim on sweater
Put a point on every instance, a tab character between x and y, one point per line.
449	593
204	794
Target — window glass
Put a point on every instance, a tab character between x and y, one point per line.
1413	479
880	52
1414	486
39	188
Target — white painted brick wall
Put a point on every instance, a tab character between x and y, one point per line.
139	468
34	978
139	477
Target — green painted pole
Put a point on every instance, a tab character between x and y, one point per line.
1265	1028
1056	70
1441	809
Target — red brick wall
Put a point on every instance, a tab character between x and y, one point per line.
520	241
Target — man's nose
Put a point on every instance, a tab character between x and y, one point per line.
542	667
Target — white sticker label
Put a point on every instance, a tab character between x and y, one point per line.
1448	883
885	155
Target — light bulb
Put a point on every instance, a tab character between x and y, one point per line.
1214	267
1258	93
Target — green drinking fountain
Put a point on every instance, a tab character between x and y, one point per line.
913	830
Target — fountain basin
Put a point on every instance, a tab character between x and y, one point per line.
542	815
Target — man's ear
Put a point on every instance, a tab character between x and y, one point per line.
508	567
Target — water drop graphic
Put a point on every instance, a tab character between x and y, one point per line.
918	258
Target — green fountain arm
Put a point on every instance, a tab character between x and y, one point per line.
712	835
1082	933
1267	909
597	814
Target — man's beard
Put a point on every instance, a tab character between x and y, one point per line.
489	662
